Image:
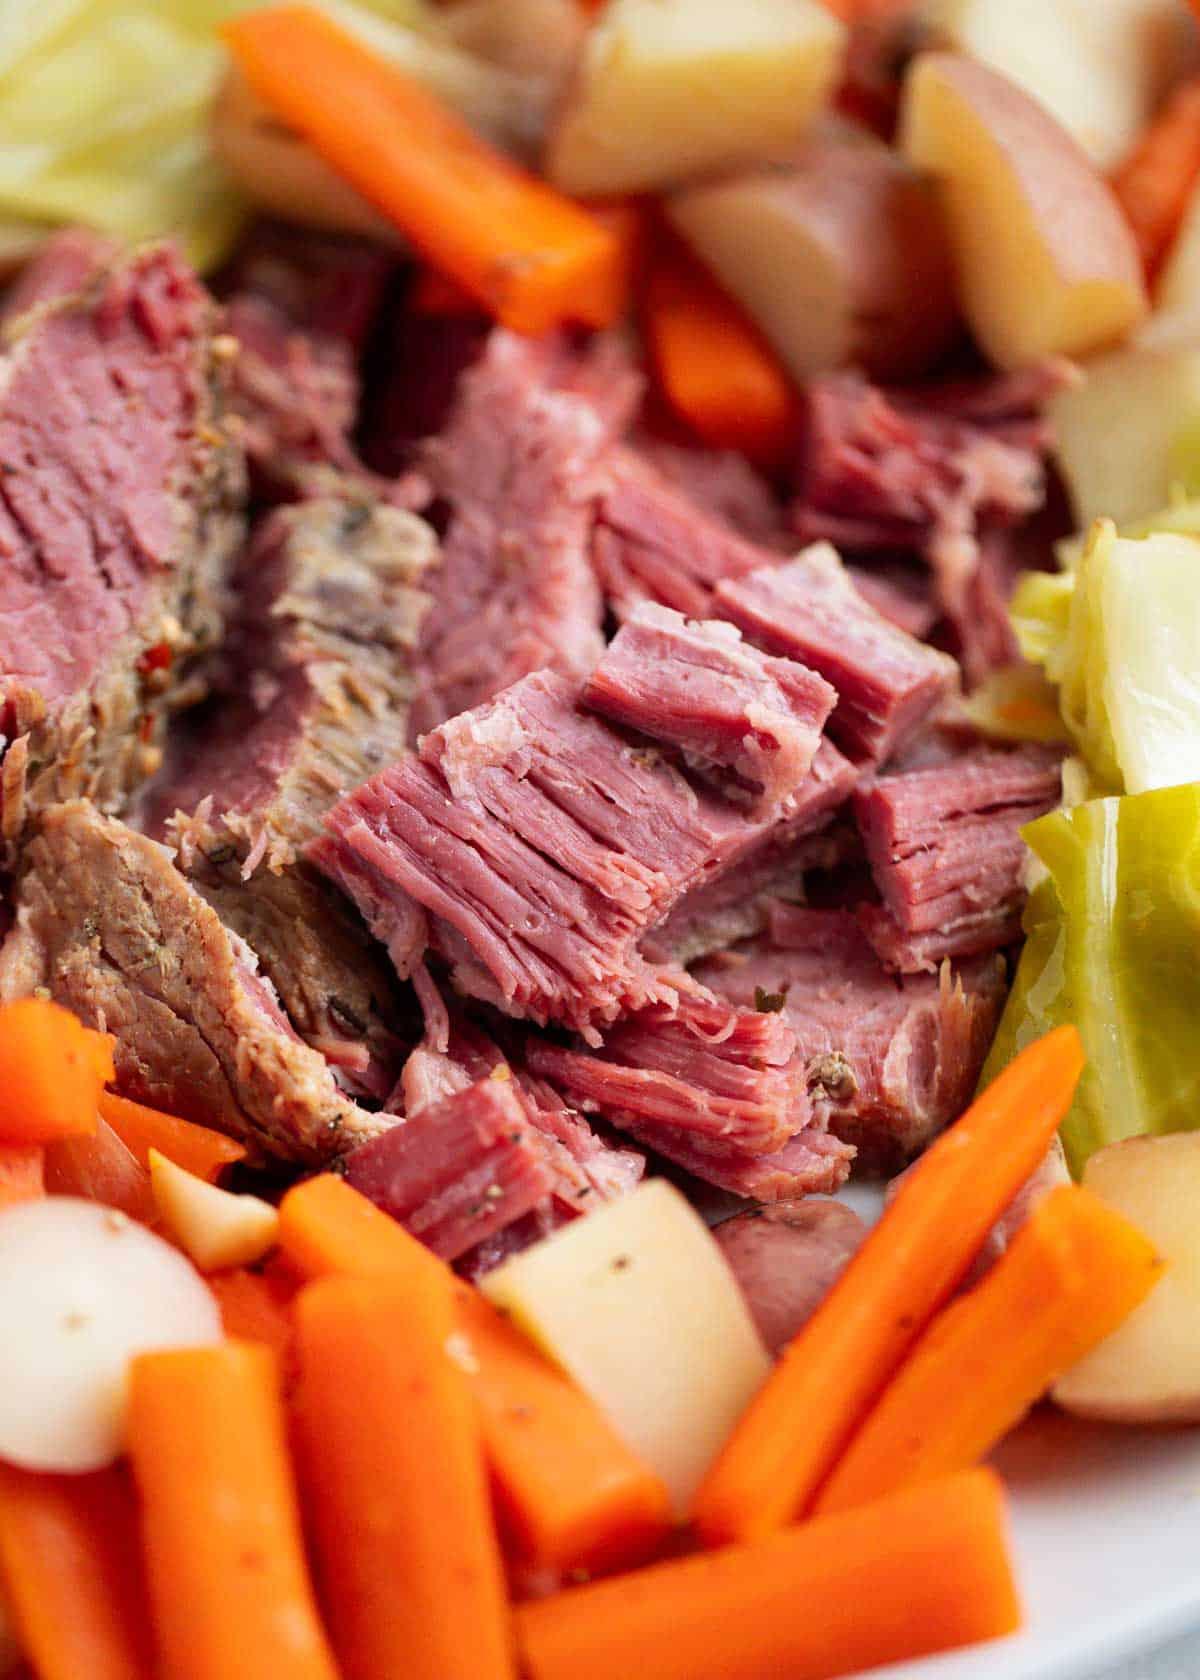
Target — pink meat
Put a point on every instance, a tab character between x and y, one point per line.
725	706
64	264
887	682
787	1257
722	484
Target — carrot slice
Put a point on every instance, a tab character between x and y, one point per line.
101	1168
395	1471
1155	182
72	1571
1073	1273
22	1173
198	1149
909	1266
569	1490
229	1586
530	256
51	1073
714	368
920	1572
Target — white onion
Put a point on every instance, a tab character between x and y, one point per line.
83	1289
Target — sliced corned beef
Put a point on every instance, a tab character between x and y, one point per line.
808	610
946	853
110	928
722	484
315	686
899	594
751	721
301	305
120	507
885	1062
813	1163
65	263
531	846
518	469
787	1258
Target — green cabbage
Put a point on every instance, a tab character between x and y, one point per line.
1113	941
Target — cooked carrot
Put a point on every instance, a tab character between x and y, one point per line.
229	1586
71	1569
1155	182
1073	1273
799	1423
103	1169
530	256
394	1467
22	1173
198	1149
923	1571
713	367
51	1073
257	1308
570	1492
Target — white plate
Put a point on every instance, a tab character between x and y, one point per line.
1106	1538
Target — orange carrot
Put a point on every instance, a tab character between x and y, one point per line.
229	1586
70	1565
101	1168
800	1421
570	1492
394	1467
257	1308
22	1173
714	368
198	1149
1073	1273
530	256
50	1073
1155	182
921	1572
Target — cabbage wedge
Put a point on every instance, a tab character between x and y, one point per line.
1113	945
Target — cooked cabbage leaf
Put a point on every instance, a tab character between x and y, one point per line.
1120	636
1113	937
1016	703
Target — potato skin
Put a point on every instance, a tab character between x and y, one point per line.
787	1257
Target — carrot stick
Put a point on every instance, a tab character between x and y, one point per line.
257	1308
229	1587
22	1173
715	370
1074	1272
570	1492
394	1466
530	256
1155	182
198	1149
70	1565
909	1266
50	1073
923	1571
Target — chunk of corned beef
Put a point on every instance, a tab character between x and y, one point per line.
65	263
751	722
108	926
897	594
518	468
315	685
946	853
885	1062
813	1163
301	305
887	682
722	484
652	542
120	508
531	845
787	1258
926	469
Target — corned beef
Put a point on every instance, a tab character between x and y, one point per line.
751	722
721	484
65	263
120	499
885	1062
808	610
786	1258
110	928
946	853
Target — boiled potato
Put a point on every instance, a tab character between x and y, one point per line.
840	257
668	90
1098	66
1046	261
637	1303
215	1227
1148	1371
83	1289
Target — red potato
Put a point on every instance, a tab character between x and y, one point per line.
840	257
787	1257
